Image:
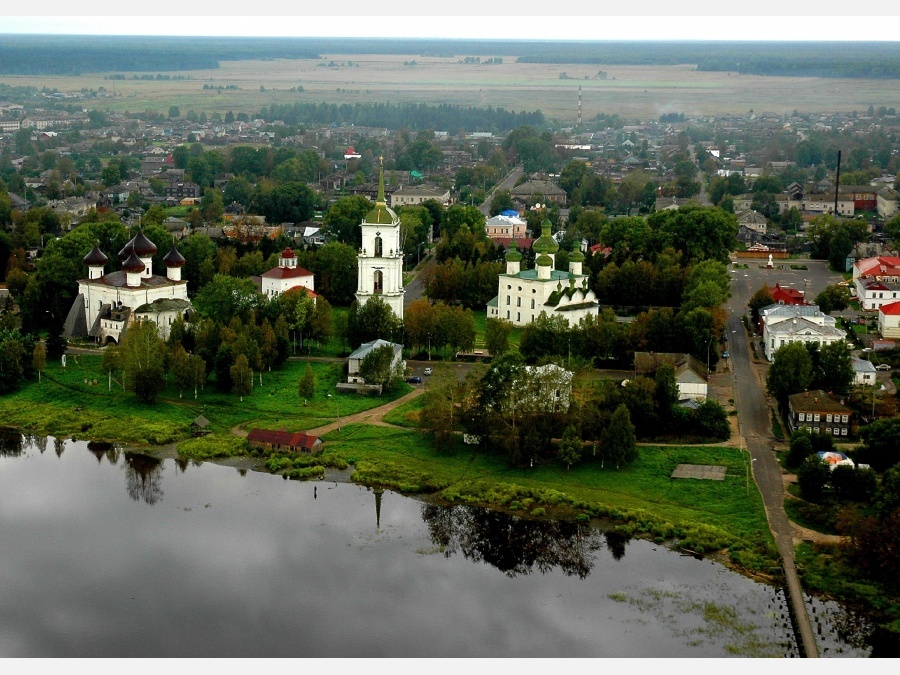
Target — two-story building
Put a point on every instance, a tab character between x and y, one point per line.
819	412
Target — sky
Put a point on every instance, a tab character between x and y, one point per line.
510	20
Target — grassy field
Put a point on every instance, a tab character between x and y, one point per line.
633	91
68	403
703	515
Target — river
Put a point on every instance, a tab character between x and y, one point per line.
106	553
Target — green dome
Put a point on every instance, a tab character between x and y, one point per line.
545	243
544	260
513	255
576	255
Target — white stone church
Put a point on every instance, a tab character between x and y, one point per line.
107	303
523	294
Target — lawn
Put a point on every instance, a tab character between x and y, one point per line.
75	401
702	514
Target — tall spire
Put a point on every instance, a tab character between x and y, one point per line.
381	199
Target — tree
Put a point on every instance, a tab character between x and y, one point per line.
666	394
496	336
143	360
373	321
112	360
39	359
342	220
881	444
439	404
570	447
241	377
226	297
618	442
181	368
306	388
211	205
336	272
833	298
762	298
812	477
790	373
378	367
835	367
801	447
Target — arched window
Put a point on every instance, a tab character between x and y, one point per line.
378	251
379	280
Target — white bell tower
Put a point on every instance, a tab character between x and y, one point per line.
380	261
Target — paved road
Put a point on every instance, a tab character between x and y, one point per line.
755	425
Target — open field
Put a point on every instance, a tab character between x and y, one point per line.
633	91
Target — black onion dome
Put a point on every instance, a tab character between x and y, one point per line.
174	258
143	246
126	250
134	264
95	258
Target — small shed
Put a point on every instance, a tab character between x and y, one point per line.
200	426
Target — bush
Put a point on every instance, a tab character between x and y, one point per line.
812	478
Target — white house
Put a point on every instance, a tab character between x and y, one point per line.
877	281
691	376
286	276
523	295
355	359
505	227
864	372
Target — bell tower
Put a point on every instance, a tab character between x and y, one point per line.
380	261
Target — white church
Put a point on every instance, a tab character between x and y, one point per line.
522	295
107	303
286	276
380	260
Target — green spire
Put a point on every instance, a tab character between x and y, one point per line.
381	214
576	255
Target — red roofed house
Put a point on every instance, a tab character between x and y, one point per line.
877	281
889	320
787	296
284	441
286	276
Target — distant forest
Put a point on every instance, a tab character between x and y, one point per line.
451	118
74	55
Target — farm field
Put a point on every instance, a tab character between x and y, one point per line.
633	91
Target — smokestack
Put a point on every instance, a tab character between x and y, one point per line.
837	184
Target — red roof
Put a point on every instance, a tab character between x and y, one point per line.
787	296
287	273
892	309
289	438
886	265
287	253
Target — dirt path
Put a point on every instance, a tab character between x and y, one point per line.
375	416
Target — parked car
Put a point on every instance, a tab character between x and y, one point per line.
883	366
428	371
414	379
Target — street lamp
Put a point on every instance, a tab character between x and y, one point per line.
336	413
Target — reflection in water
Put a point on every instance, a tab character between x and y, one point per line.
516	546
59	445
10	442
143	475
101	449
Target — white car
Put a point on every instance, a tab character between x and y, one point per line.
428	371
883	366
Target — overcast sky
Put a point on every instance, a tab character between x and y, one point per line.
510	20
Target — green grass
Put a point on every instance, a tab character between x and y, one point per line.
68	403
702	515
406	414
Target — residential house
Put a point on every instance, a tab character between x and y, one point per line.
886	202
787	296
545	189
179	191
864	372
506	226
416	195
691	375
819	412
355	359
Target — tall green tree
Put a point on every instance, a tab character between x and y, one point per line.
791	372
241	377
144	360
618	443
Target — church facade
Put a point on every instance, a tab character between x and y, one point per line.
107	303
380	260
522	295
